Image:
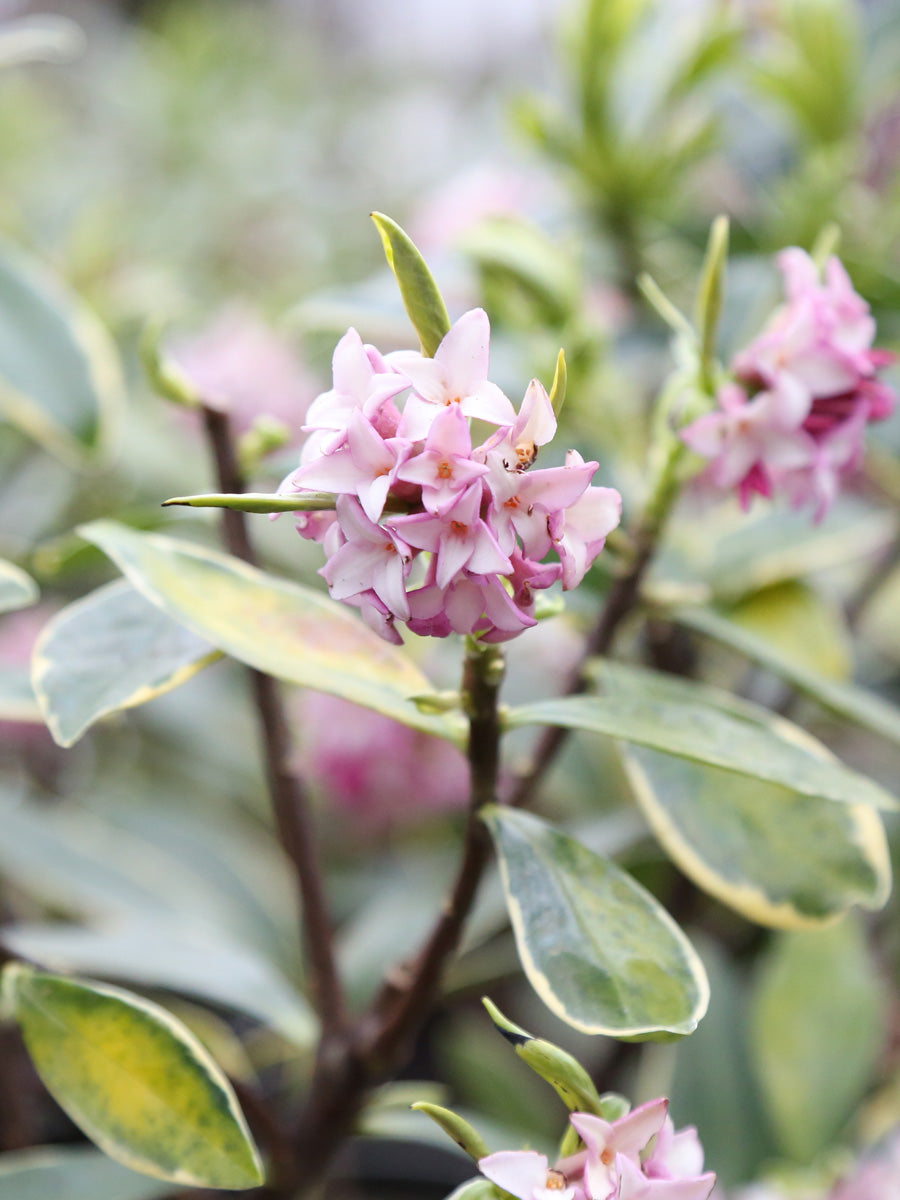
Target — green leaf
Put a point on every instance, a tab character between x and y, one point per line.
476	1189
165	952
818	1027
108	651
710	296
421	297
457	1129
564	1073
59	374
600	952
289	631
846	700
17	590
257	502
778	858
800	624
713	1086
134	1080
692	721
73	1173
558	387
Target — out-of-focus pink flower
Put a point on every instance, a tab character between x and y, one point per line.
794	421
614	1165
876	1177
375	770
391	440
472	196
238	364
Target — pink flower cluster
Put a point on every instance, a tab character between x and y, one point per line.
794	418
391	440
617	1162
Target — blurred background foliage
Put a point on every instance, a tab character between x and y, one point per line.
199	154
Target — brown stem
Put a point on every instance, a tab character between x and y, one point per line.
293	817
382	1038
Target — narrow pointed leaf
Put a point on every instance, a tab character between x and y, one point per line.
17	590
558	388
557	1066
778	858
257	502
110	650
459	1130
846	700
289	631
134	1080
421	298
701	723
59	374
600	952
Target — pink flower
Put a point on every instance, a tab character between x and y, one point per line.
615	1163
794	422
371	558
456	375
374	770
238	364
529	1176
391	442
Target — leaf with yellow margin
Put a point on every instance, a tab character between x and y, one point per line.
779	858
134	1080
274	625
597	948
110	650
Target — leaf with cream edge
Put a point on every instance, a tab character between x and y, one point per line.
110	650
60	380
777	857
707	725
17	590
276	626
134	1080
597	948
846	700
422	299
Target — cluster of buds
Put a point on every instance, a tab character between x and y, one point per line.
617	1163
793	418
392	442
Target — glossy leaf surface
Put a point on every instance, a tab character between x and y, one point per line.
110	650
134	1080
421	297
777	857
855	703
600	952
289	631
706	725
